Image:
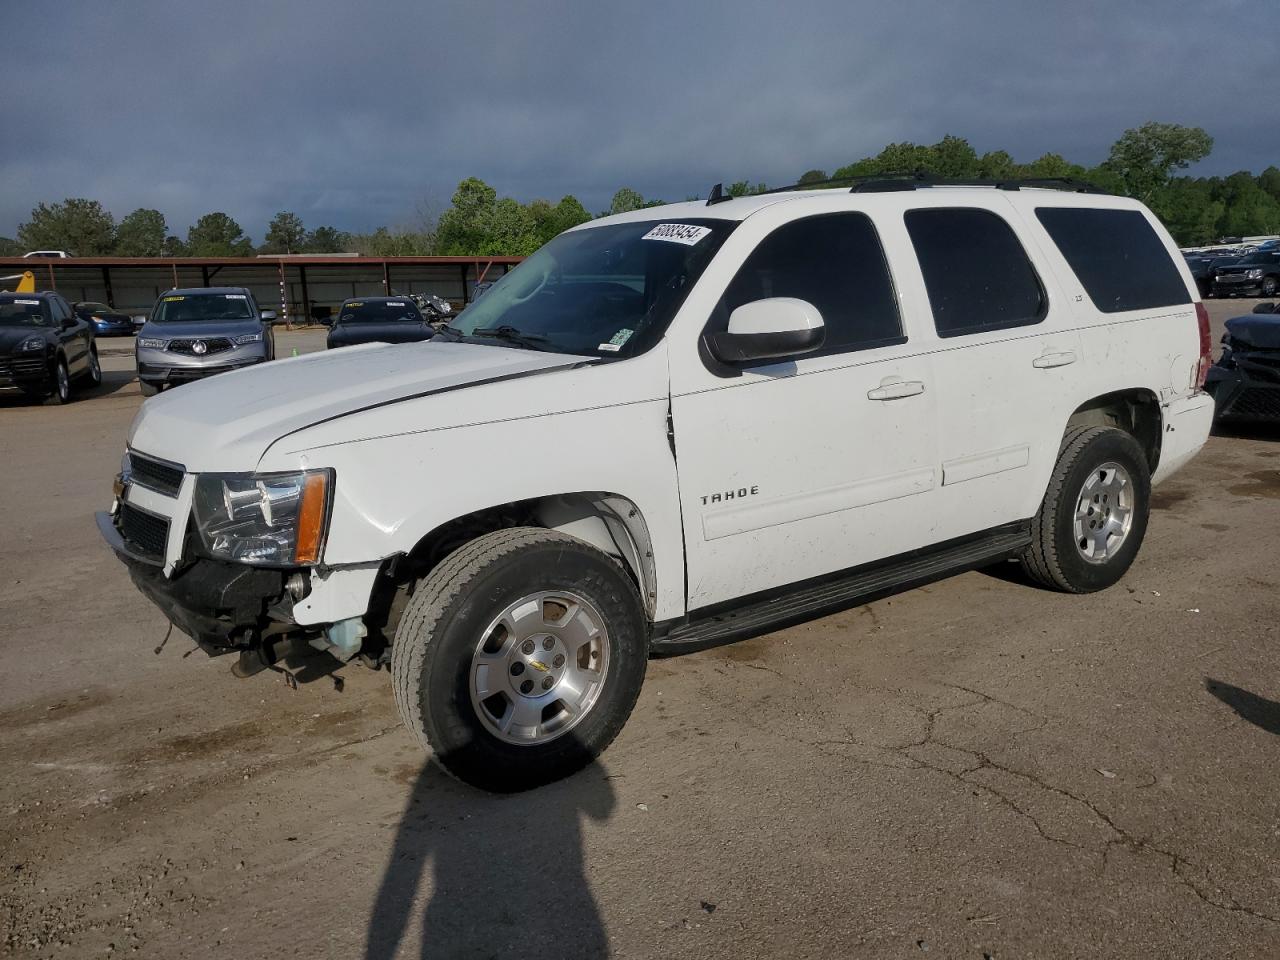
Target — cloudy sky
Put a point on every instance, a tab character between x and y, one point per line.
362	114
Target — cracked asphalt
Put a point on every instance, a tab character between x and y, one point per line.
976	769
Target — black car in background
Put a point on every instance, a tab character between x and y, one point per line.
1201	268
44	346
378	320
105	321
1257	274
1245	382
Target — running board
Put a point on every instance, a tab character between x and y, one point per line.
790	605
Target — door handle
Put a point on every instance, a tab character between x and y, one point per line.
1047	360
891	388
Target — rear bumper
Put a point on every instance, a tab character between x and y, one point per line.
222	606
1187	422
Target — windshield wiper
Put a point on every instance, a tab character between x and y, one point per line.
452	333
509	334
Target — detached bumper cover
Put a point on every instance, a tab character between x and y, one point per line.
214	603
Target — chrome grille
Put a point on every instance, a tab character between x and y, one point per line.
212	345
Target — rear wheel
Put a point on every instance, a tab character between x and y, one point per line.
93	376
519	658
1094	515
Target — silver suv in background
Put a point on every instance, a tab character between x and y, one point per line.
198	332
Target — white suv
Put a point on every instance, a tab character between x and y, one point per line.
675	427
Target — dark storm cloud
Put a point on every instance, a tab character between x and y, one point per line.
364	114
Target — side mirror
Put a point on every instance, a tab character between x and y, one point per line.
769	329
68	322
268	316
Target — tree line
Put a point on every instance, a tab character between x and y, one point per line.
1144	163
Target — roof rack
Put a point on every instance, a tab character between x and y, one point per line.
717	195
893	182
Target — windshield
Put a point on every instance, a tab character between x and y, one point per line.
30	313
379	311
1258	258
202	306
93	307
604	291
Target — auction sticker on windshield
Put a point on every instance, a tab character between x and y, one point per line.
685	233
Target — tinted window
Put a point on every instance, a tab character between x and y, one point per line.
833	261
1117	256
183	308
975	270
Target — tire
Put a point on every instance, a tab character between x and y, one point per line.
93	376
148	388
452	622
1056	558
1268	286
61	384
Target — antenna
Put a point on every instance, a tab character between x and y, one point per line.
717	195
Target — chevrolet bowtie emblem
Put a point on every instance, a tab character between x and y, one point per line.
538	665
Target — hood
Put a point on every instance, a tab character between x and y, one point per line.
11	336
226	422
201	328
1256	330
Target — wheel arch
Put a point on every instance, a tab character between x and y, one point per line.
610	522
1135	410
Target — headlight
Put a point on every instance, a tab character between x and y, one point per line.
151	343
32	343
1254	274
249	338
273	519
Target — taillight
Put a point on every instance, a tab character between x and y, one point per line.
1206	346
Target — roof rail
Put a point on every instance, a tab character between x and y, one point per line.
897	181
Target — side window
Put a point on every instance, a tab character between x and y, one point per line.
976	273
57	309
835	262
1119	259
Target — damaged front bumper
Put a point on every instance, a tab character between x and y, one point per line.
1246	386
222	606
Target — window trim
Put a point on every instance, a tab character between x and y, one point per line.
970	331
722	369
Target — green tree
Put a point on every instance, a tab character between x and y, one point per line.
78	226
550	221
626	200
10	247
1145	157
327	240
174	247
811	176
743	188
1269	180
285	234
141	234
461	229
217	235
997	165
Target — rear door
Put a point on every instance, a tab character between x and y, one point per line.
73	333
791	469
1007	360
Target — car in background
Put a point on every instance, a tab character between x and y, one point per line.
1201	268
436	309
47	255
200	331
1257	274
105	321
378	320
44	347
1245	382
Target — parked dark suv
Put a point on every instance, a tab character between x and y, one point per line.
44	346
1258	274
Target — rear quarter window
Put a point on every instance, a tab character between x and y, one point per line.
1117	257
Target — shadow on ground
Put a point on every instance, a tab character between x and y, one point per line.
507	873
1259	711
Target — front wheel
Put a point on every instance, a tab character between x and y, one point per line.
61	383
519	658
1094	515
1268	286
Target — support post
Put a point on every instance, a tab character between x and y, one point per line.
106	282
284	297
386	279
175	274
53	284
204	274
306	299
466	297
